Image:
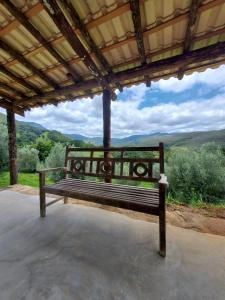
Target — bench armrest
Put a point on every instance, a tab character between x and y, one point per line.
163	180
52	169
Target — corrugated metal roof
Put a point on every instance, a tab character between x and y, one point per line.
110	25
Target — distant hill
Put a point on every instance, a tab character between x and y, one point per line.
27	132
173	139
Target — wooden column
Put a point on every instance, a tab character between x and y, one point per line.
106	125
12	146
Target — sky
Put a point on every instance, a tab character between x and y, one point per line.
195	103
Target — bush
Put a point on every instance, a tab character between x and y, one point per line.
55	159
197	175
27	159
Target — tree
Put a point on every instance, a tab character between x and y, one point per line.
55	159
27	159
44	145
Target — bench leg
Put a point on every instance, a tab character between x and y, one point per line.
42	195
66	200
42	204
162	233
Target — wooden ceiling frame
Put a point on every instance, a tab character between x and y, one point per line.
78	24
55	12
122	9
20	58
18	15
212	53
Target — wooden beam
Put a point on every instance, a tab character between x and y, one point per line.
14	53
53	9
136	17
7	105
206	54
11	122
106	101
7	87
20	80
26	23
193	14
78	23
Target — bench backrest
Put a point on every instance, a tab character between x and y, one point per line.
129	163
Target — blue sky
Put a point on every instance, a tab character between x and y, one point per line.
195	103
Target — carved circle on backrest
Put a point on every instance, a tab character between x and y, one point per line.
140	169
106	167
78	166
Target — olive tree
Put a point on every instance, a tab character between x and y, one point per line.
27	159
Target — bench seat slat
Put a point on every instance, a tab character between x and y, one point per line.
104	193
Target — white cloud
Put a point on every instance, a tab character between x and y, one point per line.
128	117
211	77
85	116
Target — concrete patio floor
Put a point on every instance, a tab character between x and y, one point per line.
80	252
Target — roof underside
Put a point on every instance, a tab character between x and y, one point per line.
53	51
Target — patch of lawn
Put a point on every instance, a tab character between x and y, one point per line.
30	179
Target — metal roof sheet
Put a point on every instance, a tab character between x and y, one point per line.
110	25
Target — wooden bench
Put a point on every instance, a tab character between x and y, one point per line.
127	163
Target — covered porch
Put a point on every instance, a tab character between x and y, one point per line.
81	252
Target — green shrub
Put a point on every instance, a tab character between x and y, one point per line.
27	159
55	159
196	175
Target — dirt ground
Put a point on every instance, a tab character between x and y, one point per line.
209	220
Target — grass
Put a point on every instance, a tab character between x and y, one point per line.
30	179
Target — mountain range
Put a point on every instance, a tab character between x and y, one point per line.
29	131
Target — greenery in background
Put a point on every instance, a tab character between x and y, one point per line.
196	174
30	179
27	159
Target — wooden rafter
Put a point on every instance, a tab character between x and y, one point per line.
14	53
20	80
82	28
212	52
136	17
53	9
193	14
79	24
118	11
26	23
7	87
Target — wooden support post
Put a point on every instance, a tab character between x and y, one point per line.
12	146
106	99
162	207
42	194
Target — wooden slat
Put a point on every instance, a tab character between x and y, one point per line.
101	149
116	203
115	159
